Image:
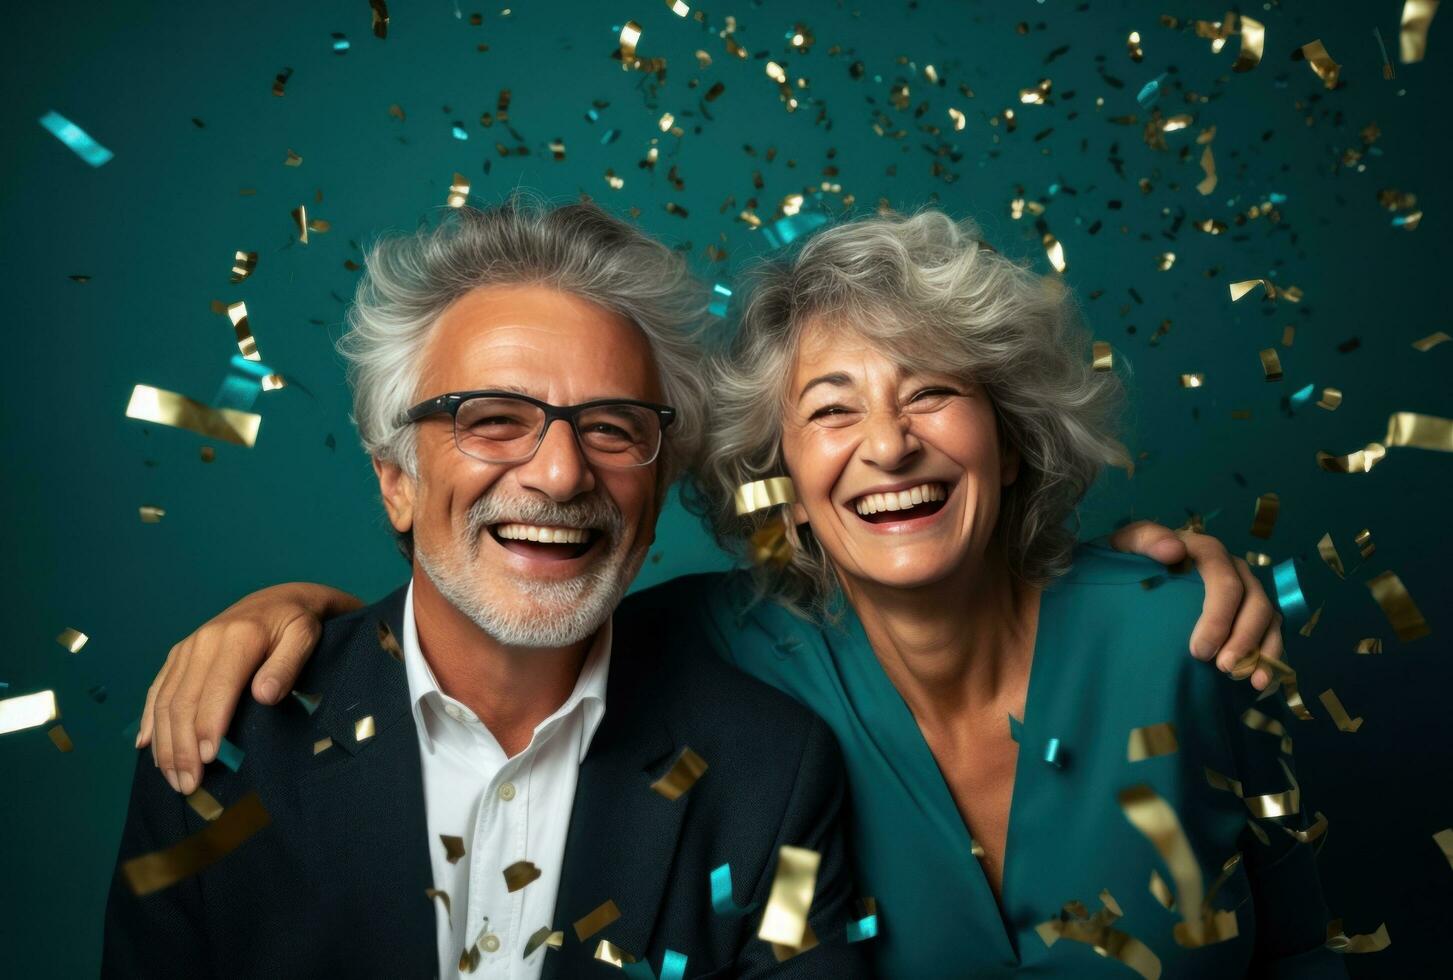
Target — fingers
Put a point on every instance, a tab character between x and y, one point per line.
279	674
1271	648
1151	540
161	746
1224	591
1253	619
144	731
186	766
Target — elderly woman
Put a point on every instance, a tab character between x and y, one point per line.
1038	782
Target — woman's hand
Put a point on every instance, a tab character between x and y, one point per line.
192	700
1237	618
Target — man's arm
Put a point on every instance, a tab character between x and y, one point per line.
813	819
161	934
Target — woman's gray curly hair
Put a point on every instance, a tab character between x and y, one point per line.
410	280
933	297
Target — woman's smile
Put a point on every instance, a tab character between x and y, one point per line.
902	508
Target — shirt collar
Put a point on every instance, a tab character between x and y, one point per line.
588	695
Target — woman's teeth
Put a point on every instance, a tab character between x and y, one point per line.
874	503
545	535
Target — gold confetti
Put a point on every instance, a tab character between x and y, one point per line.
1245	667
469	959
243	265
596	920
1407	620
293	159
1420	432
1196	380
1258	722
1328	550
1321	62
279	83
1362	461
1368	644
1286	678
246	344
776	72
1240	289
1103	356
388	642
1161	891
630	37
682	775
1268	505
1253	43
1331	398
300	218
1150	741
1055	251
1334	707
72	639
204	804
380	18
544	936
61	739
1364	542
1133	48
703	60
150	514
164	868
678	8
363	729
458	191
615	182
322	745
1208	167
1317	829
164	407
977	850
1076	924
1165	260
1036	94
520	874
1259	559
443	896
1373	942
958	118
761	494
1444	840
1429	342
453	847
608	952
1413	35
1288	334
784	921
1271	364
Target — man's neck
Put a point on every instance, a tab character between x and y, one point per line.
510	689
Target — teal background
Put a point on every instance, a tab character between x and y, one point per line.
156	229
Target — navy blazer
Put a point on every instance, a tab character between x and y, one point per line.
335	884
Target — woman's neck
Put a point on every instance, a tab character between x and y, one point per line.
957	645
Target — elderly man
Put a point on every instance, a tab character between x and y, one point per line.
523	535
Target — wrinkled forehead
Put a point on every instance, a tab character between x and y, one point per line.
880	341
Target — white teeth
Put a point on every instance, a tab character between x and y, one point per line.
545	535
875	503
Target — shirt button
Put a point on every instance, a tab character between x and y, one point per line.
490	943
507	792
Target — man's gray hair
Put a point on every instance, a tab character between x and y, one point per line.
933	297
410	280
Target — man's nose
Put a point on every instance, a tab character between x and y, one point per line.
559	468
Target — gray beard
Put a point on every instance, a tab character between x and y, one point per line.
554	613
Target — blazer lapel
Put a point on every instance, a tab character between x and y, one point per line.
622	835
367	809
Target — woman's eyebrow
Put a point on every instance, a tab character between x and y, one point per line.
837	379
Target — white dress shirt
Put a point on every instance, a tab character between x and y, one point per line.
504	809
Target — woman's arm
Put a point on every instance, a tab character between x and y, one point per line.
191	702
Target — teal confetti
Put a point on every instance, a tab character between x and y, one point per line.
84	145
610	136
1289	591
242	384
1150	92
1302	396
340	43
591	115
864	928
1016	729
459	132
722	902
673	967
1053	755
721	295
230	755
1276	198
793	227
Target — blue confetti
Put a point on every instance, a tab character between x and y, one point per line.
1289	591
1302	396
340	44
1052	753
459	132
864	928
1150	92
230	755
673	967
591	115
722	902
84	145
793	227
1276	198
721	294
611	135
242	384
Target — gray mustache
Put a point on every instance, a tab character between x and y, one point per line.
593	512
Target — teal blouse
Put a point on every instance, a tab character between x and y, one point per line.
1110	656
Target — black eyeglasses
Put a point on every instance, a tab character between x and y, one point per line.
503	427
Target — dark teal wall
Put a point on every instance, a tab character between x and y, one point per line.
156	229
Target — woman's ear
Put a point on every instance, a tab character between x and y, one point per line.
799	514
397	489
1009	466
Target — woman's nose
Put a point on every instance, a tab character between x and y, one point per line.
889	441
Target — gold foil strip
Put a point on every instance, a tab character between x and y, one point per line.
150	514
761	494
1331	399
1321	62
1407	620
1269	806
1258	559
72	639
1150	741
1055	251
293	159
164	868
379	9
1268	505
1228	868
1427	343
1373	942
1368	644
300	218
1154	818
783	953
1240	289
1413	33
544	936
1420	432
1036	94
1207	183
1245	666
1253	42
682	775
62	740
1444	840
1271	364
1132	46
597	919
1161	891
389	643
204	804
242	266
453	847
1361	461
520	874
164	407
469	958
363	729
1340	718
237	313
441	895
1077	925
608	952
458	191
1258	722
784	921
1328	550
1316	830
1284	677
323	745
1196	380
630	37
977	850
1103	356
770	544
1364	542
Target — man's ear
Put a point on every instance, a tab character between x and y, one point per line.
397	489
